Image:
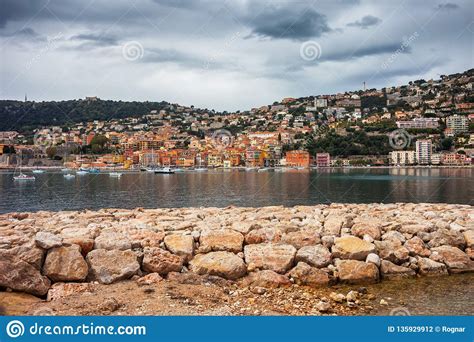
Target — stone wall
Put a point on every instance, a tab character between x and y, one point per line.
262	247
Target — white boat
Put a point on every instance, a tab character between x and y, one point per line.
200	169
165	170
82	172
65	170
38	171
69	176
23	177
263	169
250	168
115	174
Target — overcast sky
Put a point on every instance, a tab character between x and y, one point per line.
226	55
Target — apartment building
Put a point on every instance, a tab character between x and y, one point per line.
423	151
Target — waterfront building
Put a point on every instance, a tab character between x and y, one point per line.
402	157
323	160
424	150
297	158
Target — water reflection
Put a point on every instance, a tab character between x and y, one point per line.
51	191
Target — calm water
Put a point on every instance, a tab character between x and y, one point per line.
51	191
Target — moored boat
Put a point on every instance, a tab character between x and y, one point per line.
23	177
69	176
115	174
164	170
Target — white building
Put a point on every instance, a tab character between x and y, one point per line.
457	123
424	150
402	157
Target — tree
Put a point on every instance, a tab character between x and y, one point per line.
51	152
446	144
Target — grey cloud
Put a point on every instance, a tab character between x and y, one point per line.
289	23
447	6
366	22
96	39
18	10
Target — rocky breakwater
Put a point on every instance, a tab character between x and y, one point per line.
258	248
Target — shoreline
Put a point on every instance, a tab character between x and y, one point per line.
252	251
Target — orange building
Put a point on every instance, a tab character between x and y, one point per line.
297	158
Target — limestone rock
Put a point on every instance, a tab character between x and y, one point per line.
182	245
22	276
351	247
389	270
430	267
149	279
317	256
393	251
267	279
112	241
469	237
221	240
223	264
416	246
333	225
456	260
62	290
374	259
261	235
65	264
447	237
267	256
158	260
47	240
111	266
357	272
301	238
304	274
371	229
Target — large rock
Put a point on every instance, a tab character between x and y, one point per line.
333	225
389	270
111	266
221	240
19	275
47	240
223	264
111	241
317	256
30	253
357	272
366	227
301	238
260	235
392	250
469	237
182	245
304	274
416	246
351	247
65	264
267	256
145	238
430	267
267	279
447	237
160	261
456	260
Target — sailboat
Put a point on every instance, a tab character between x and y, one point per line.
22	176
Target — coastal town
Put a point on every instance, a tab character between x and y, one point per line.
426	122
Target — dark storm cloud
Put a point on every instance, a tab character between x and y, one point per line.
17	10
366	22
290	23
447	6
